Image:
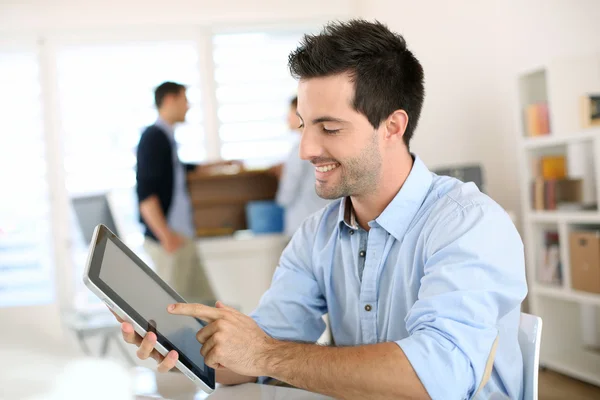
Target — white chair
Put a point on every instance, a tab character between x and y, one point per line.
530	335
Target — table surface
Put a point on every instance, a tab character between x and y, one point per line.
251	391
149	385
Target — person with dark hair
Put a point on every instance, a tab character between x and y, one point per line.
164	203
296	191
422	276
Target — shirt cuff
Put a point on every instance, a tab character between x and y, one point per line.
441	367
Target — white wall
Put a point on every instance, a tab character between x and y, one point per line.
472	52
28	15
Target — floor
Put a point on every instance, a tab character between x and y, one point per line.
554	386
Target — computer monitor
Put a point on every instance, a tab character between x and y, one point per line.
91	211
466	173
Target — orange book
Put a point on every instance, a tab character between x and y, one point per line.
531	118
554	167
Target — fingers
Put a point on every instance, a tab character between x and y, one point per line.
205	333
168	362
208	351
157	356
207	347
224	307
205	313
129	334
147	345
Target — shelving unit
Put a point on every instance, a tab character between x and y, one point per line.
566	312
567	294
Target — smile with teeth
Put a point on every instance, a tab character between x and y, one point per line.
326	168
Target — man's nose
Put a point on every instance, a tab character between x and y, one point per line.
310	144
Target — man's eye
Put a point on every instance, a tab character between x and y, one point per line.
330	131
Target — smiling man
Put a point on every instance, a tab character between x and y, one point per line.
422	275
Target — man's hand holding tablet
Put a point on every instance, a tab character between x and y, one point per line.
146	349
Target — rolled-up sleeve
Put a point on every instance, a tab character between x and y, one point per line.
292	308
474	275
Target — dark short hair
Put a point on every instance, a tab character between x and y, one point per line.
387	76
165	89
294	102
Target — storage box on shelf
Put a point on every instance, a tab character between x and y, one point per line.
584	246
564	162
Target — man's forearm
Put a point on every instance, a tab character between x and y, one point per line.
379	371
154	217
227	377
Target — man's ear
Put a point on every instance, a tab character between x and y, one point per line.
395	125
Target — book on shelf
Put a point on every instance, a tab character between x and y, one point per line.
553	167
537	120
557	194
549	266
549	167
590	110
552	189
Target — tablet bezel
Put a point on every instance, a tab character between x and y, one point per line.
97	248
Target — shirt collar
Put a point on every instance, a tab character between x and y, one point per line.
398	215
165	126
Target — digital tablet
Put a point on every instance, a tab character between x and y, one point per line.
138	295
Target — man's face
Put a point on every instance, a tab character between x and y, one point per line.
180	106
340	142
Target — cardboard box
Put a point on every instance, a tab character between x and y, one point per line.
585	260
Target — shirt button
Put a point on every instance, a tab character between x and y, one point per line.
362	253
352	231
368	307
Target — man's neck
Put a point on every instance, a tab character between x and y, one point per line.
166	119
370	206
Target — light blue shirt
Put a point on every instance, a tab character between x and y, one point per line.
296	192
440	272
180	217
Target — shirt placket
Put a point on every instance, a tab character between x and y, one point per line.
371	256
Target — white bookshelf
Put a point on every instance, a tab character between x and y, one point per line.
565	336
550	141
562	293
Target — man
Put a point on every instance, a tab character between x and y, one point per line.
164	202
296	192
422	275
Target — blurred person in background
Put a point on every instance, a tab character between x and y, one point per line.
164	202
296	192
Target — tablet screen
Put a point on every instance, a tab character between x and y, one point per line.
145	297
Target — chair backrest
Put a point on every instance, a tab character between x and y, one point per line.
530	335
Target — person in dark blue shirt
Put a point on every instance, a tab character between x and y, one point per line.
164	202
